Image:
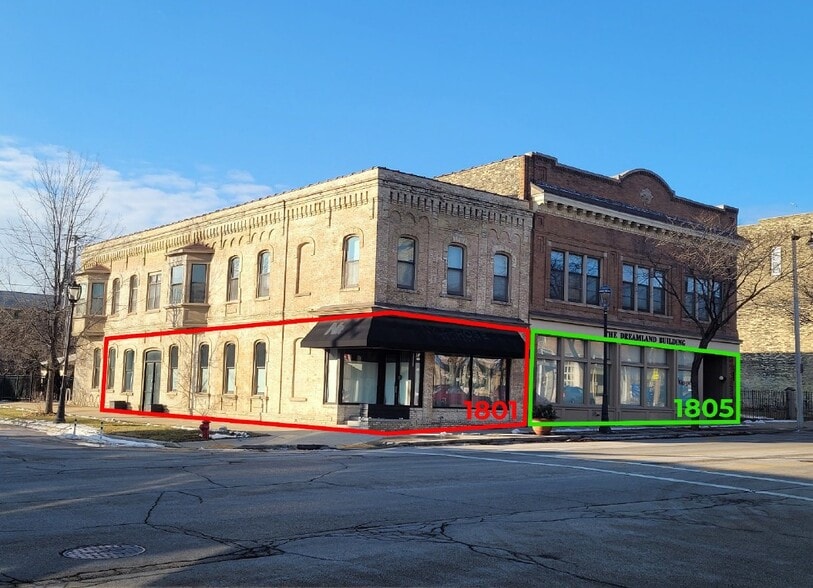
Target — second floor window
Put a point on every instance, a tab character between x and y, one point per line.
115	297
97	298
233	286
132	303
406	263
197	283
176	284
153	291
263	274
643	289
350	278
455	262
500	277
574	277
703	298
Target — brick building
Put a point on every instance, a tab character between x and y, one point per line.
181	304
591	230
766	327
520	242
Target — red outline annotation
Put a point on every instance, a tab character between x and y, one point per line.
525	331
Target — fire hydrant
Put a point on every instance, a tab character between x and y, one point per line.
204	430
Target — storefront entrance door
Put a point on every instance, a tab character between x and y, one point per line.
152	380
397	380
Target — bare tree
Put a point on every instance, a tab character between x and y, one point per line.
723	272
61	213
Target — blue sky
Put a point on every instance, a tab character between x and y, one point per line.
191	106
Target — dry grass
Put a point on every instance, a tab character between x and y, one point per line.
117	427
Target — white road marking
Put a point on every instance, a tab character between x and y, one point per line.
606	471
680	469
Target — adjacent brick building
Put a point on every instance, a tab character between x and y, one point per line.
766	327
592	230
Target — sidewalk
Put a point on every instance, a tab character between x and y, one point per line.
267	438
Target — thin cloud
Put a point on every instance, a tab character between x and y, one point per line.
133	201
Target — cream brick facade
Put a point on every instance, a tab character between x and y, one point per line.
766	326
303	233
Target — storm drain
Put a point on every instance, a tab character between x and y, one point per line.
103	551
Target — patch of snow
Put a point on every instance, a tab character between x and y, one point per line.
80	434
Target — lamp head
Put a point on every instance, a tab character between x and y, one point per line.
604	293
74	292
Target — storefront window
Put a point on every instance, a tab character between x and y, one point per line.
459	379
489	379
452	376
546	377
644	369
360	377
569	371
684	375
657	377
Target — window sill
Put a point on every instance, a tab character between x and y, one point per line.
456	296
408	290
580	304
350	289
502	303
298	399
299	294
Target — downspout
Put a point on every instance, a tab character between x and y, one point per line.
285	226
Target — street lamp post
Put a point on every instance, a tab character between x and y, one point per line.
800	416
605	292
74	293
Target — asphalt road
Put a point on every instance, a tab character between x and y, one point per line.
733	511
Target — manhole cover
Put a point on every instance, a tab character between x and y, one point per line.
103	551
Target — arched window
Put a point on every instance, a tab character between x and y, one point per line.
129	362
406	263
97	367
173	369
111	368
203	368
229	372
233	286
455	262
350	276
263	274
132	304
115	297
501	271
302	277
259	368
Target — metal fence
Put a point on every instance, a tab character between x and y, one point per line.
17	387
773	404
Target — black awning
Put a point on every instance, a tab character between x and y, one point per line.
403	334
